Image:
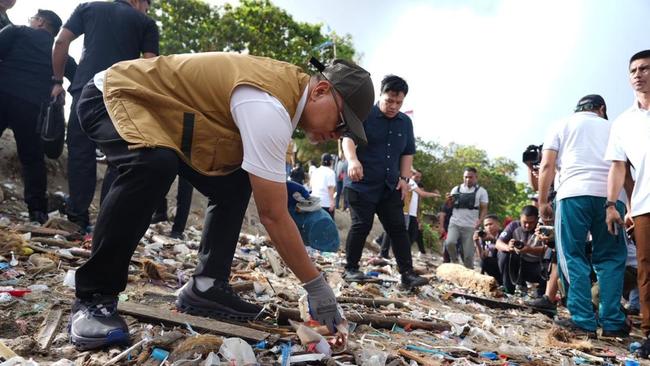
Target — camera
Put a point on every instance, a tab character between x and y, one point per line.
481	233
519	244
546	230
533	155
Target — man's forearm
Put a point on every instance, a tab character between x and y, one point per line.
405	165
289	244
483	211
546	174
628	185
349	148
615	180
59	58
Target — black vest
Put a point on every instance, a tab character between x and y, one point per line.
466	200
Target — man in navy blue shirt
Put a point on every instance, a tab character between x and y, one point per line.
113	32
25	83
378	175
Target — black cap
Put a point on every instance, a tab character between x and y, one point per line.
355	86
326	158
591	102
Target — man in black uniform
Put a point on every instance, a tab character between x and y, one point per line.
4	6
25	83
113	31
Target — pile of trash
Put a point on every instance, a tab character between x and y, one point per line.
443	323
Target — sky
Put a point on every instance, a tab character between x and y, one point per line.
491	73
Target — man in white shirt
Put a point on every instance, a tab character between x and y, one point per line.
628	149
470	203
323	184
576	148
223	121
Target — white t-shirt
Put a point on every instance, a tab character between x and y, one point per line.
321	180
264	125
265	128
630	140
465	217
415	198
580	141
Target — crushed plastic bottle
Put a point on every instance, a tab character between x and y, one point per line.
371	356
239	352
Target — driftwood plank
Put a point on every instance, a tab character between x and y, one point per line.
424	361
375	303
196	322
495	304
379	321
5	352
48	327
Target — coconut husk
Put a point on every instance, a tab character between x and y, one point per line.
564	338
62	224
203	344
155	271
10	241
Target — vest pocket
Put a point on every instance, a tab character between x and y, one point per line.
228	155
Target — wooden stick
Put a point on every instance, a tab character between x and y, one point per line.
373	302
48	327
379	321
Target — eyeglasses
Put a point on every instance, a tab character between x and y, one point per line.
33	18
341	126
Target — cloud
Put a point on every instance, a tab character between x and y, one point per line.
479	76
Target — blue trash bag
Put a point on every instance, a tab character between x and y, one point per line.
316	227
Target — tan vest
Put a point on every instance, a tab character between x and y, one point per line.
183	102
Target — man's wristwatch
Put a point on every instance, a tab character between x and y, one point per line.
403	178
57	81
610	204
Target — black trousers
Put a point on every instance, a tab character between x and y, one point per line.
490	266
183	205
144	177
82	169
515	271
362	214
414	234
22	117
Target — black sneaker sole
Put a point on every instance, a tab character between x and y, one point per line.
116	337
215	311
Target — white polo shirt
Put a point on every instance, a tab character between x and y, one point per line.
630	140
580	141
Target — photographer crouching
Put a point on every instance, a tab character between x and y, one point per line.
485	240
519	253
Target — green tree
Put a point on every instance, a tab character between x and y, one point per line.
186	26
260	28
443	166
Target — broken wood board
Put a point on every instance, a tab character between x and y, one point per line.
5	352
467	278
48	327
422	360
495	304
196	322
376	320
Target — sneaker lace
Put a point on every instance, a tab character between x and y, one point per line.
102	307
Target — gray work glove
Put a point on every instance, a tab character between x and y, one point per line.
322	303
